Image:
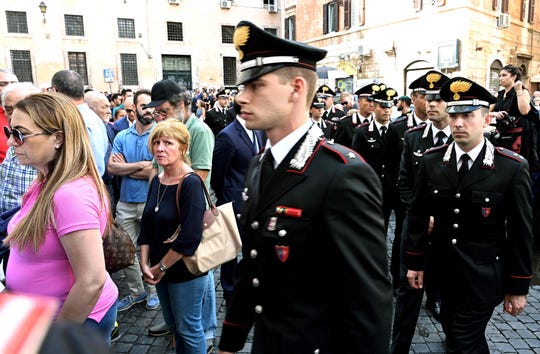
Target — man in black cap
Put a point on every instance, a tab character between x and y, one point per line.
345	125
313	277
479	197
403	105
370	142
217	117
316	112
327	95
416	141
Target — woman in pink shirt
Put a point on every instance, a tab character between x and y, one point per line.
56	237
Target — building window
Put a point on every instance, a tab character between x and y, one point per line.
74	25
227	34
77	62
174	31
272	31
494	70
530	17
500	5
16	22
21	65
330	17
290	28
347	14
128	62
178	69
126	28
361	13
229	71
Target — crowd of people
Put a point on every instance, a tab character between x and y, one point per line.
314	176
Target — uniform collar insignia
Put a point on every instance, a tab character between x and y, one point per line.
426	130
305	150
487	162
371	126
410	120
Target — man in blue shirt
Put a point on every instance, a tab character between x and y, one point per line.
131	159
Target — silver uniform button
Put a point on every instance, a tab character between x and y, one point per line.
486	200
455	226
458	195
258	309
238	216
255	225
316	351
244	196
253	253
454	241
456	211
255	282
436	191
282	233
497	258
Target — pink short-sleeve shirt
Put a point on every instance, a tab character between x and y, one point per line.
48	272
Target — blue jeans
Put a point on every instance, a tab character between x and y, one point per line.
106	325
181	304
209	320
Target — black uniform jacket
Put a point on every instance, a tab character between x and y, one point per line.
333	112
417	140
368	143
481	238
314	272
218	120
345	126
394	146
327	127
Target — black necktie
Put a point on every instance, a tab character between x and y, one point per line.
319	124
267	169
464	168
440	138
365	121
325	115
383	132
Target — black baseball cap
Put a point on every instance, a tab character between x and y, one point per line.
162	91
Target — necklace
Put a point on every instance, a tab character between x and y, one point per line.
158	198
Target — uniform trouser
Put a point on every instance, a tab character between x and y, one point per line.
465	328
227	278
393	203
129	216
409	302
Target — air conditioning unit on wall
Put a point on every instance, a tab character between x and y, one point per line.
272	8
503	21
226	4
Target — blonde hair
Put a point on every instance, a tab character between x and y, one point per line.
173	129
290	72
54	112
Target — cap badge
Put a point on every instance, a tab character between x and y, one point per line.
241	36
325	89
432	78
458	87
390	93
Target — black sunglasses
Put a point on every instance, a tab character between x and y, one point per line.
18	136
129	111
344	103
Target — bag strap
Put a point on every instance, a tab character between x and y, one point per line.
206	193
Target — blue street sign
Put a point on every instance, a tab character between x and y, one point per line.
108	75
